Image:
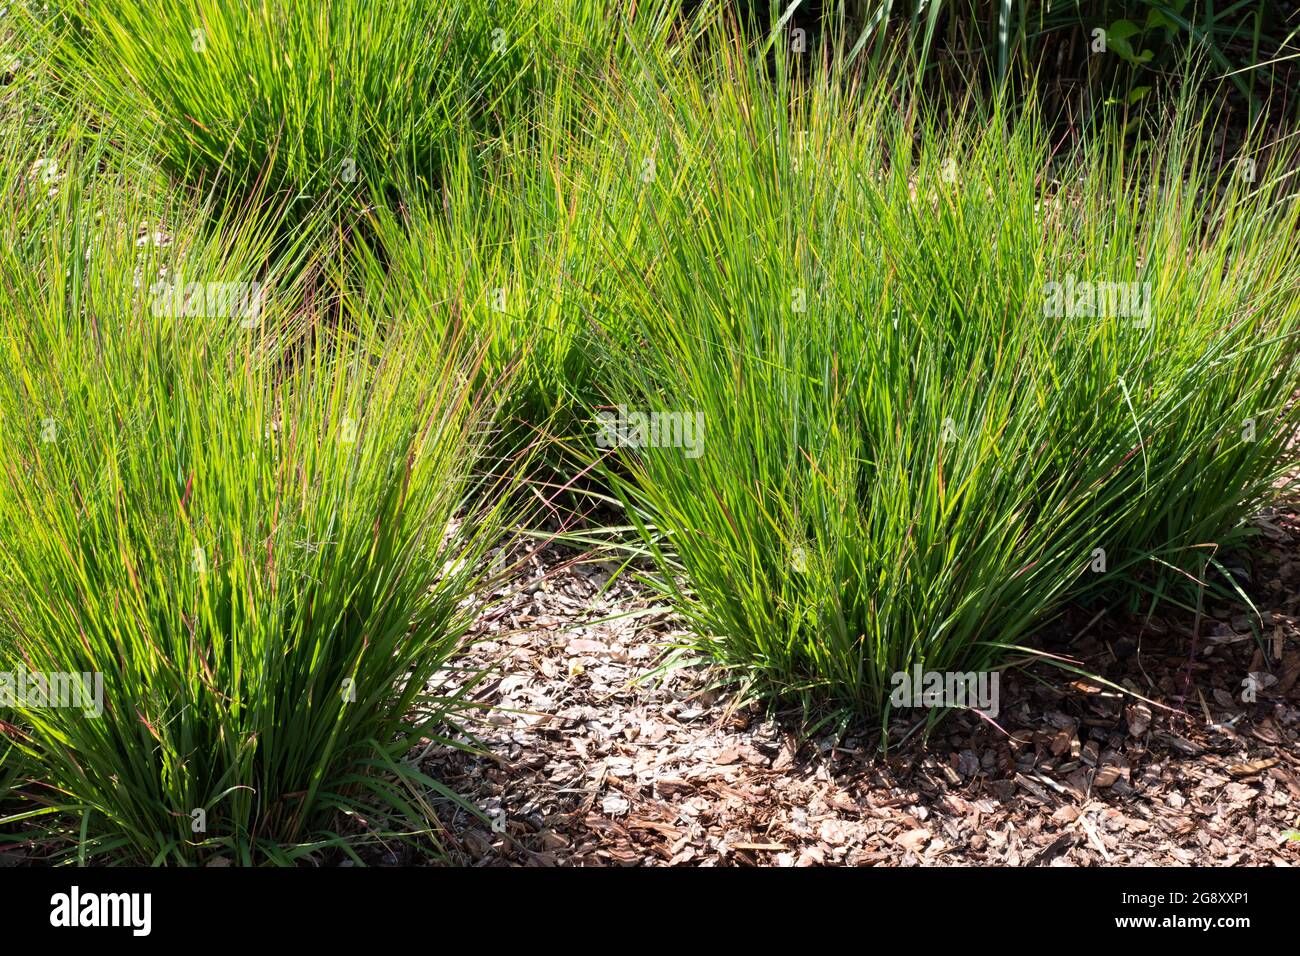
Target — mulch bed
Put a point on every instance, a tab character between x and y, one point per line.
595	760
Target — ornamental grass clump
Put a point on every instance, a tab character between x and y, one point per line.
945	383
340	101
256	538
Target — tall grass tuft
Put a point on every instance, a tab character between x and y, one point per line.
341	101
262	536
914	452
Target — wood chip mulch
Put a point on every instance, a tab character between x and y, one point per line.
595	761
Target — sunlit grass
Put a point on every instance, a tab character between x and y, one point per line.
261	533
907	460
266	526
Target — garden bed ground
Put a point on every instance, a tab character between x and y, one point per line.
592	766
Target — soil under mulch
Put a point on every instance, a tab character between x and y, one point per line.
597	761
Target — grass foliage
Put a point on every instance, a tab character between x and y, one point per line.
267	531
262	534
908	461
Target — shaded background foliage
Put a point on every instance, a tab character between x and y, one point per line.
1248	46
